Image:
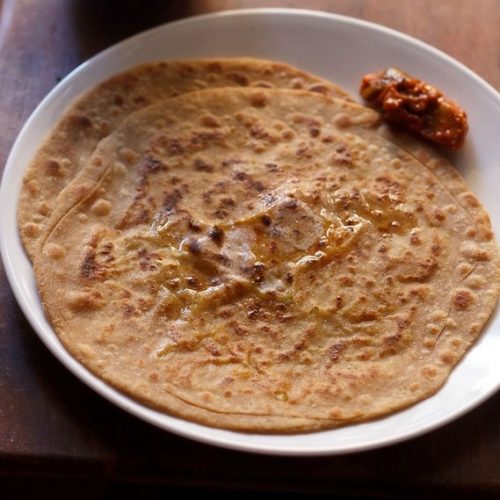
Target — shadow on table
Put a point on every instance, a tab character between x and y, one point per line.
99	23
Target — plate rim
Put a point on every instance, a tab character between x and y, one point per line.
123	401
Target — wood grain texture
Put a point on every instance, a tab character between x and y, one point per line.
51	425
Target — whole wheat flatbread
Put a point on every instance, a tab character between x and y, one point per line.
101	110
265	260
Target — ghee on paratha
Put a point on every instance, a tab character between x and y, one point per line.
264	260
101	110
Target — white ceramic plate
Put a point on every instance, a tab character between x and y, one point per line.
336	47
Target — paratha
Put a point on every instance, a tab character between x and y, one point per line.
265	260
101	110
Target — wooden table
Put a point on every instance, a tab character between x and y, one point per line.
57	432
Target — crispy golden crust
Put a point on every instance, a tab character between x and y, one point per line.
265	260
100	111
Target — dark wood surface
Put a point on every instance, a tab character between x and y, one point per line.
57	432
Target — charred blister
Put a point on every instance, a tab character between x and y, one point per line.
417	106
255	272
216	234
